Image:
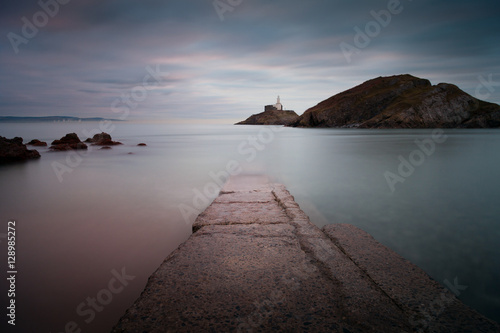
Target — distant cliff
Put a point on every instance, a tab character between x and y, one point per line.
402	101
271	117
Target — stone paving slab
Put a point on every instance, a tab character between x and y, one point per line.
430	306
255	263
246	197
230	278
238	213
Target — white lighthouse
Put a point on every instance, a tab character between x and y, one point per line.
278	105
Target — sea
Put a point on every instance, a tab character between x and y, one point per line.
92	226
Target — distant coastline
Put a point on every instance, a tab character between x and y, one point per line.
14	119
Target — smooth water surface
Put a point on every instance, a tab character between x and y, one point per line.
82	219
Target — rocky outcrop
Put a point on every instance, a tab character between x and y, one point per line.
274	117
402	101
37	143
13	150
68	142
102	139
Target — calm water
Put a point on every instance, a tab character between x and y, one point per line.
108	213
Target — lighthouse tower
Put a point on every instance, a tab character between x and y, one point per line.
278	105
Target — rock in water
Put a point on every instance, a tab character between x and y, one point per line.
68	142
273	114
13	150
402	101
102	139
275	117
37	143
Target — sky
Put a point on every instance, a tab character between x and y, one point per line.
223	60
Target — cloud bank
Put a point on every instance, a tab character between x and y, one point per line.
225	61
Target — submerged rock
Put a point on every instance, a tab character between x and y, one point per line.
68	142
102	139
13	150
142	144
37	143
402	101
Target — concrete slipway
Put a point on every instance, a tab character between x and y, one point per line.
255	263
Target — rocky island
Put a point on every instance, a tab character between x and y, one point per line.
272	115
402	101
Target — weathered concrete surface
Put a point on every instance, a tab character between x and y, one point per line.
429	306
256	263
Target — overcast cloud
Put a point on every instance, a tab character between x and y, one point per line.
91	54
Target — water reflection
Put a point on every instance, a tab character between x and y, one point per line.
119	210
